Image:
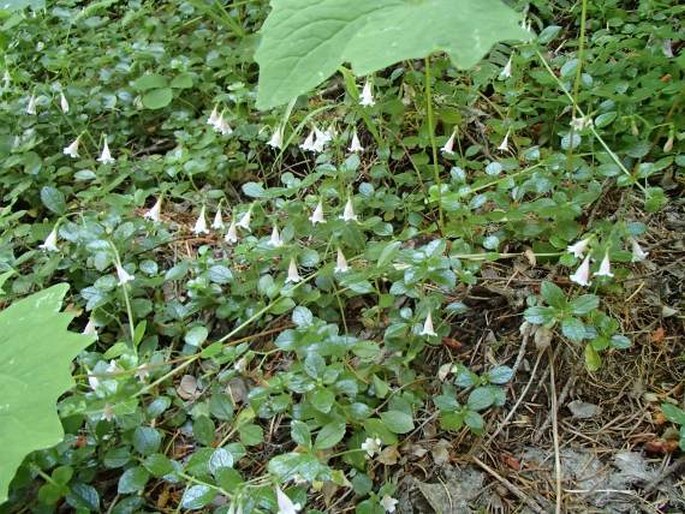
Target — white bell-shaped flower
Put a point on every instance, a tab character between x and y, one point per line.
155	212
604	267
355	144
50	243
201	223
341	263
90	329
123	275
317	216
232	234
293	275
448	147
582	274
276	140
579	248
72	149
222	126
106	155
308	145
275	239
218	223
321	139
285	504
668	145
639	254
213	117
389	504
63	103
506	71
330	132
366	98
245	220
504	145
31	105
348	213
428	329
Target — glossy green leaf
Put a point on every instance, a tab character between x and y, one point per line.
197	496
36	351
304	41
330	435
157	98
397	422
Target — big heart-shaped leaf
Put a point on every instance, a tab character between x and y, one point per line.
304	41
35	352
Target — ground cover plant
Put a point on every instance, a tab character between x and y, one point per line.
450	284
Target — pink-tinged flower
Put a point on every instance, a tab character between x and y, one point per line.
213	117
245	220
348	213
355	144
504	145
275	239
428	329
218	223
106	155
285	504
232	234
341	263
63	103
276	140
582	274
317	216
579	248
366	98
389	503
604	267
31	105
639	254
372	446
201	224
72	149
448	147
293	274
155	212
50	244
123	275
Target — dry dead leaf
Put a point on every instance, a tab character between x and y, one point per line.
389	456
188	388
440	452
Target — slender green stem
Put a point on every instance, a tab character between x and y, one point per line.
431	134
579	75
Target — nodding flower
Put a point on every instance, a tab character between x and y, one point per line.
366	98
222	126
50	244
348	213
276	140
275	239
341	263
448	147
582	274
63	103
308	145
504	145
155	211
604	267
31	105
213	117
201	223
123	275
232	234
218	223
428	329
506	71
579	248
355	144
72	149
285	504
244	221
639	254
317	216
106	155
293	274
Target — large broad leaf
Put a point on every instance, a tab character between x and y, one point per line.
304	41
35	352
